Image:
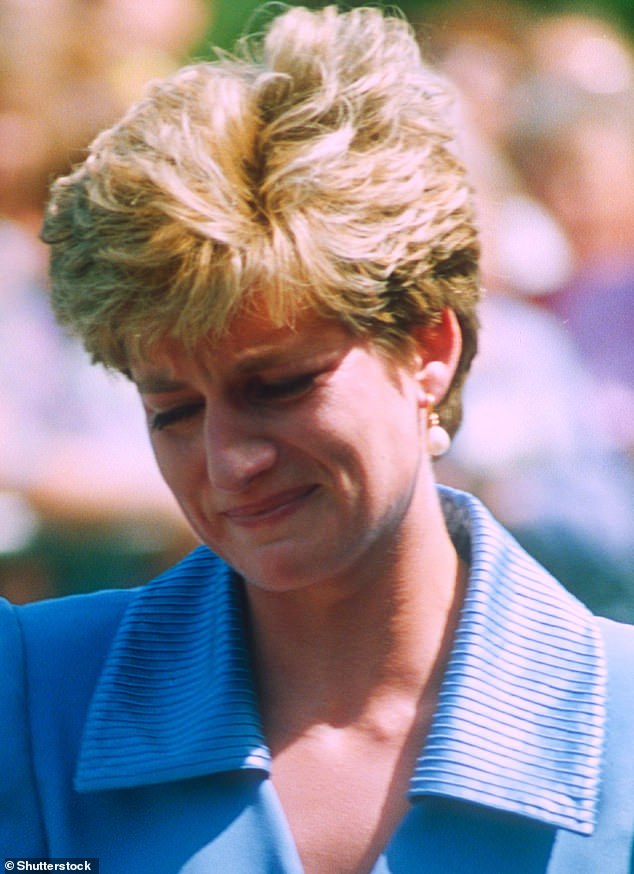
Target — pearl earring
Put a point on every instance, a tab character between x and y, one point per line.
438	440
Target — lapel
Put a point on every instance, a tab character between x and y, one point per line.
520	722
175	697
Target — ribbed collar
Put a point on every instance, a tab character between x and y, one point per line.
519	725
175	698
520	722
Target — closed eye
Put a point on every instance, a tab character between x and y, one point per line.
162	420
263	391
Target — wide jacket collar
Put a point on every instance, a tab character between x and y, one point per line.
519	725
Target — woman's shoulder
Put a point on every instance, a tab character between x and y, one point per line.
48	645
62	624
65	641
51	654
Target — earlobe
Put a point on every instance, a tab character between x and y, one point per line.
438	351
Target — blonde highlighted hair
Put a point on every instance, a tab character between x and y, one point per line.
316	166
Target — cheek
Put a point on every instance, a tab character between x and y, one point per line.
370	443
179	465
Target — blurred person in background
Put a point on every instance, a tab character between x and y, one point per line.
81	504
360	670
574	144
531	445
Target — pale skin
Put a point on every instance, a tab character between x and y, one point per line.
300	457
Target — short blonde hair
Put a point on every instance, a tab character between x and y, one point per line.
316	165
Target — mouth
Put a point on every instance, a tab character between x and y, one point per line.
270	509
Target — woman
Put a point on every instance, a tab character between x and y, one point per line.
358	671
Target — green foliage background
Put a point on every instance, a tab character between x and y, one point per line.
231	16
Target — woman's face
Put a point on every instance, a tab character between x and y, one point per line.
295	454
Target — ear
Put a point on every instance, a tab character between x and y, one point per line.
438	349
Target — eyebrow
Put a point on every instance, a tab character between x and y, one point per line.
269	356
252	360
157	383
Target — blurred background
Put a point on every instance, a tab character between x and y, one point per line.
545	104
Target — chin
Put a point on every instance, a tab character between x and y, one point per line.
280	569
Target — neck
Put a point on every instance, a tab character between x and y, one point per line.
337	655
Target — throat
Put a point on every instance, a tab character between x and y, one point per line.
353	670
347	696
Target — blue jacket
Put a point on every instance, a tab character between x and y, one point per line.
131	730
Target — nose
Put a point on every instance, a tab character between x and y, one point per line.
236	450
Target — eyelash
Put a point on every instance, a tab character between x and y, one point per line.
159	421
295	386
258	391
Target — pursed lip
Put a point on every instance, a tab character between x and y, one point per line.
270	507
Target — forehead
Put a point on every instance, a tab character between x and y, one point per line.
252	342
